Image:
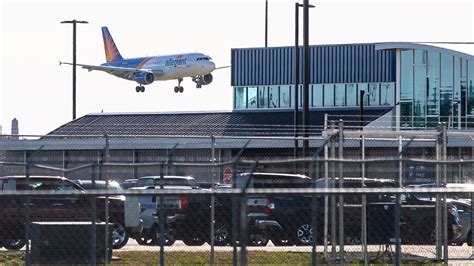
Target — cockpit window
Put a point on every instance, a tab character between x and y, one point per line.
206	58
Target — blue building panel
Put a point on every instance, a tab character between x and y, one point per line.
348	63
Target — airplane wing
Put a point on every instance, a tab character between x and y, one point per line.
115	70
221	67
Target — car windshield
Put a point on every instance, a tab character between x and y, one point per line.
101	185
47	184
180	182
272	181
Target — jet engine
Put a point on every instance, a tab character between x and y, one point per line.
145	78
206	79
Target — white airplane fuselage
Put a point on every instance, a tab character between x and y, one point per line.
168	67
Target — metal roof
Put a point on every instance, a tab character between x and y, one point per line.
228	123
421	46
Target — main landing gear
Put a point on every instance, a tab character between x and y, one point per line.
140	88
179	88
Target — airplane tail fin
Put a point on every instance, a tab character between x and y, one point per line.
111	51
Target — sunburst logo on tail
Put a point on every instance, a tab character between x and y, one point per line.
111	51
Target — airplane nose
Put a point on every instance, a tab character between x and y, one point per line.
211	66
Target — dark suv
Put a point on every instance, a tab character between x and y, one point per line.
262	224
293	214
49	208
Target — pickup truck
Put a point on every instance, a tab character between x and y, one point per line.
50	208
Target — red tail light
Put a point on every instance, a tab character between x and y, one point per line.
270	206
183	203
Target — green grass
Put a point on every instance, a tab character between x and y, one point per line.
203	258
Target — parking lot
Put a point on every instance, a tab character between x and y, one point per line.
387	207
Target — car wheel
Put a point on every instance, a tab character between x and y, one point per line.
281	240
119	236
258	240
169	237
14	244
194	240
144	240
221	235
304	234
469	239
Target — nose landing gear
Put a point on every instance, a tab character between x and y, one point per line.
198	81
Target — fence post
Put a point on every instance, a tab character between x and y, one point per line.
365	255
341	197
235	202
234	227
444	150
326	185
107	220
439	143
94	218
333	197
244	234
397	210
162	218
314	256
213	198
27	160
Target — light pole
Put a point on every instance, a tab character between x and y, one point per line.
306	75
74	22
266	23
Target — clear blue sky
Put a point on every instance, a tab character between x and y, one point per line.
36	91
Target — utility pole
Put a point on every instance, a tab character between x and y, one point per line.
306	73
296	66
266	23
74	22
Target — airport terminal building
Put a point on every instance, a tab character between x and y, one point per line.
420	84
408	86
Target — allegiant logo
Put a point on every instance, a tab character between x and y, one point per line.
175	62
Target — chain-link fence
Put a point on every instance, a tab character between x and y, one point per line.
343	196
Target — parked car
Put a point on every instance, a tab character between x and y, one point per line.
148	213
100	184
462	196
465	218
187	217
417	216
128	183
49	208
168	180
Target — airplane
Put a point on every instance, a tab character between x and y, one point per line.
145	70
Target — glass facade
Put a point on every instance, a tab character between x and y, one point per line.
317	99
285	96
340	99
273	96
435	87
321	95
